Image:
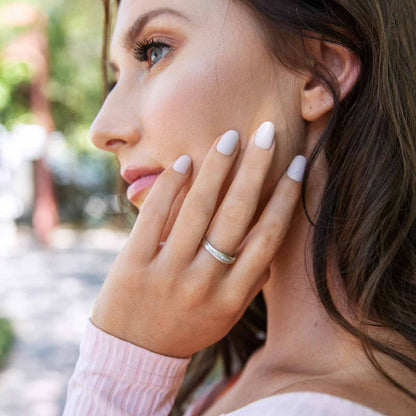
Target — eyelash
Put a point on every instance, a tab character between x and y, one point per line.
142	47
140	53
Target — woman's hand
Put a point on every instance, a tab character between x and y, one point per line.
180	299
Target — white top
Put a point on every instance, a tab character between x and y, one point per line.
113	377
304	404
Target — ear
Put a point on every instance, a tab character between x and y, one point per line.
315	100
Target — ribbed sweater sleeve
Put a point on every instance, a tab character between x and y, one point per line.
114	377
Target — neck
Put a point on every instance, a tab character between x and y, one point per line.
301	337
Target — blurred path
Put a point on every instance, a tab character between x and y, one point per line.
48	294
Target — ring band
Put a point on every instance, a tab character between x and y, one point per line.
219	255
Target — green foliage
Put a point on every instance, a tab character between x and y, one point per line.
6	338
74	88
75	29
14	100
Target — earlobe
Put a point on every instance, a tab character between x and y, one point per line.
316	101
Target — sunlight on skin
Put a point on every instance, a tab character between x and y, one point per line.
217	77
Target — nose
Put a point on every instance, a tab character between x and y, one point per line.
115	126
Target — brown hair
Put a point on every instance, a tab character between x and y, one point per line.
368	209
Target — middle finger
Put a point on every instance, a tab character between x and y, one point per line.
239	205
199	204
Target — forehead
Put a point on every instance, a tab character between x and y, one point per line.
133	14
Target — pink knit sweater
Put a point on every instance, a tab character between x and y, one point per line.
113	377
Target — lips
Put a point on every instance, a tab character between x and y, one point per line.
140	184
132	174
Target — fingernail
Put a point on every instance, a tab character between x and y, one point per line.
265	135
297	168
182	164
228	142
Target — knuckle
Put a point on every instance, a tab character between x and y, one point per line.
255	168
215	161
196	292
232	305
234	212
255	162
240	201
152	213
132	280
197	205
290	193
233	299
240	198
271	239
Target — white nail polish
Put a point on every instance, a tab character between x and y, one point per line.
265	135
228	142
182	164
297	168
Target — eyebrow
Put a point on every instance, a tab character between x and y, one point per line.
140	23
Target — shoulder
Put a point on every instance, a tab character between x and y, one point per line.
372	397
304	403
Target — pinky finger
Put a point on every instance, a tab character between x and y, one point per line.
265	238
147	230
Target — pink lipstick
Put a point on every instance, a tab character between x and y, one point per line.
140	184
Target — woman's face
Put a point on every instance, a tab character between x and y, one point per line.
215	75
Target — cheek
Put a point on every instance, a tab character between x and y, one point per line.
190	102
196	97
179	111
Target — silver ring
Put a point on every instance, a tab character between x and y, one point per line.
219	255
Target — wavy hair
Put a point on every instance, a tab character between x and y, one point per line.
368	209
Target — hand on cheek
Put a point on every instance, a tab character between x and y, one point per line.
177	298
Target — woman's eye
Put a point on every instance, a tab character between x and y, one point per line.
155	47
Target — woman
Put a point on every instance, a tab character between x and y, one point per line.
216	99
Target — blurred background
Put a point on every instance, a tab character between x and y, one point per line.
61	225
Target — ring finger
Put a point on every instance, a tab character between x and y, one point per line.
239	205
